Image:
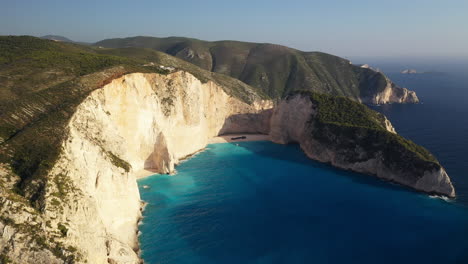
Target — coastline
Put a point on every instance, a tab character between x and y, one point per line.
143	173
249	137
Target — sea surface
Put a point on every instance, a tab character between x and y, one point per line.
259	202
439	122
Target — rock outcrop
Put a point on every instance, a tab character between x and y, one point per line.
391	94
369	151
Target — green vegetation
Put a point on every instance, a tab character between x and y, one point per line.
230	85
118	162
4	259
38	53
63	229
29	64
346	124
342	111
275	70
7	221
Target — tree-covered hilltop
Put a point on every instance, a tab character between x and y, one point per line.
29	64
276	70
346	124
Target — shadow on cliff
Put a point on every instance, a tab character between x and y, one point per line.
248	123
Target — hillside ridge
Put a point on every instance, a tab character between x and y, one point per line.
275	69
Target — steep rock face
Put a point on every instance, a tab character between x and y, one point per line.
294	120
137	121
392	94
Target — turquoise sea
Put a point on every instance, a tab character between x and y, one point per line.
259	202
265	203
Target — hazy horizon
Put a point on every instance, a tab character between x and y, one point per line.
362	28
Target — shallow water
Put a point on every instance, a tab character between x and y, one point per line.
261	202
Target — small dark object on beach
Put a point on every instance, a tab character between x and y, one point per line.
236	138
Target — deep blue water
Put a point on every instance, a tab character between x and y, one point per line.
261	202
439	123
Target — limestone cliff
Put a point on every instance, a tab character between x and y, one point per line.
150	121
391	93
136	121
371	148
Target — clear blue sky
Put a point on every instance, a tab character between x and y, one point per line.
342	27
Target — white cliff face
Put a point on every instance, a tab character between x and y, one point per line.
289	119
393	94
436	181
292	122
145	120
388	126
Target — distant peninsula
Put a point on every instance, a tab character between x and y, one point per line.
409	71
413	71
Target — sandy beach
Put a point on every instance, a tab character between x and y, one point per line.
249	137
220	139
144	173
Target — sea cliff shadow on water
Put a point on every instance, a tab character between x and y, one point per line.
260	123
231	213
301	158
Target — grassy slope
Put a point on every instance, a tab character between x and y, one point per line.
276	70
29	64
